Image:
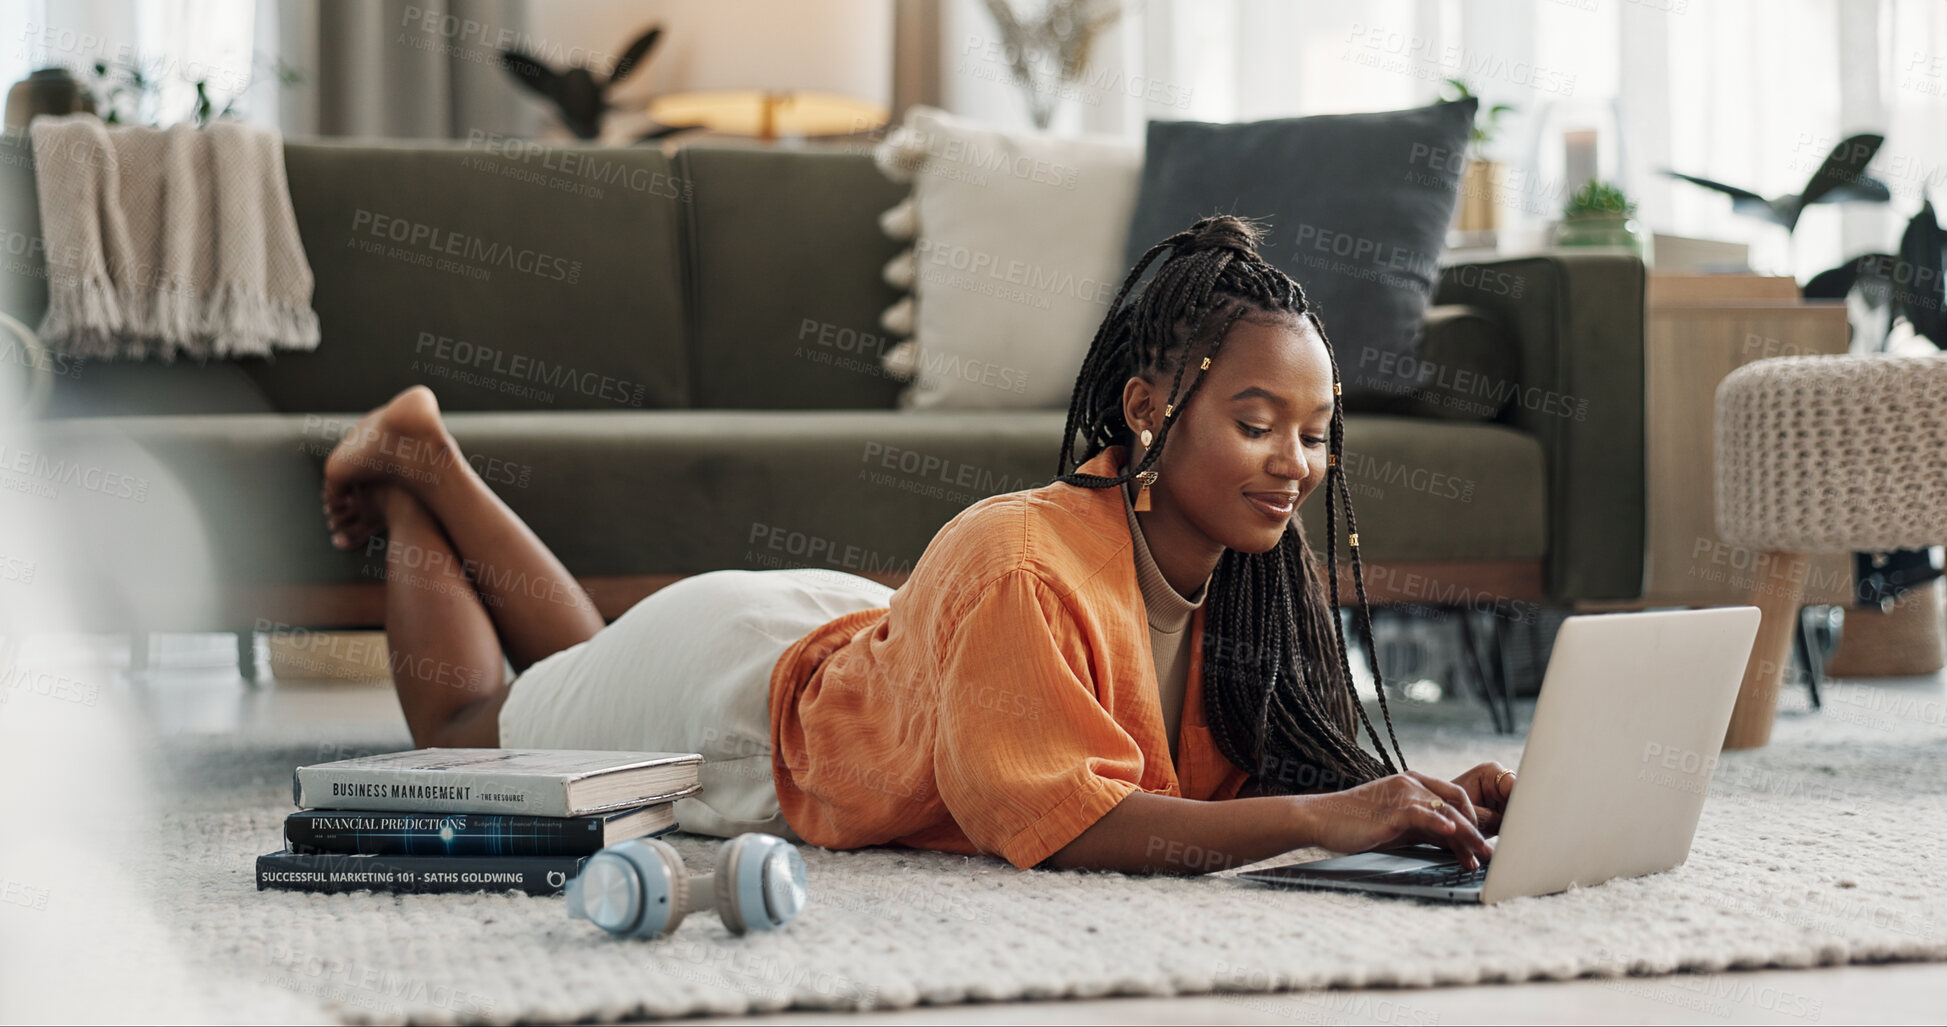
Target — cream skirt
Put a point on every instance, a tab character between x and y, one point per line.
688	669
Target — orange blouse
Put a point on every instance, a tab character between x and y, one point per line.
1005	700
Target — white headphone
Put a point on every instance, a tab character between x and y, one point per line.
641	889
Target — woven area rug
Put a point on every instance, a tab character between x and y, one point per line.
1820	849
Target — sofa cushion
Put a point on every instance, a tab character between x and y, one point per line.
477	269
1438	491
1357	206
785	249
1019	255
653	492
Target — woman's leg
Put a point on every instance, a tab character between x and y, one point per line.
446	660
536	606
688	669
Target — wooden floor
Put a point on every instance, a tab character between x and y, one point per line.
195	688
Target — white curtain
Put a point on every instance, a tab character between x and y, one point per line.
368	67
176	43
416	69
1748	92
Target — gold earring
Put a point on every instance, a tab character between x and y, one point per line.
1146	479
1145	436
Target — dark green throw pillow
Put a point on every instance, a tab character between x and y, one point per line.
1356	208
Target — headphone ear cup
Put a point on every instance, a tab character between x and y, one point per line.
724	879
760	883
679	882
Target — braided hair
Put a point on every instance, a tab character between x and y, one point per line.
1277	692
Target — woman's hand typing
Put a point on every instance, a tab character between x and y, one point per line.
1398	810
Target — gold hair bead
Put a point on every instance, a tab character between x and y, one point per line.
1335	389
1206	363
1331	459
1167	407
1353	540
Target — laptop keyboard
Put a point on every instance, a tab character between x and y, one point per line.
1455	876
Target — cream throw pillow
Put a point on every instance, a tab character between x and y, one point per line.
1017	256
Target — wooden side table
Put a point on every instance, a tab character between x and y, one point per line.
1700	328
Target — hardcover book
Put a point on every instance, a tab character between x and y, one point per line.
537	782
340	872
469	834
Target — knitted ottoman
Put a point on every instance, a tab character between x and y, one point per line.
1816	455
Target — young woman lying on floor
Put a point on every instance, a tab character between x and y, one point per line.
1071	676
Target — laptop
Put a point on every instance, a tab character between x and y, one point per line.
1625	736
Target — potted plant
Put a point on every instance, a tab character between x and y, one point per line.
1479	207
1600	214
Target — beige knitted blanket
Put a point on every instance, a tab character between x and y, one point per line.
168	242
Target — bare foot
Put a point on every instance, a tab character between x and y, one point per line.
359	515
403	442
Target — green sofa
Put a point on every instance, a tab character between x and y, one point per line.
669	364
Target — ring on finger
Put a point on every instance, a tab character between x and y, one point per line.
1436	804
1502	774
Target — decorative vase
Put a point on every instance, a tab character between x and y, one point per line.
1618	230
47	91
1479	209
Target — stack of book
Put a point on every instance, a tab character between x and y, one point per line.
458	820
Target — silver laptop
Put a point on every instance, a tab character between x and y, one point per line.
1626	733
